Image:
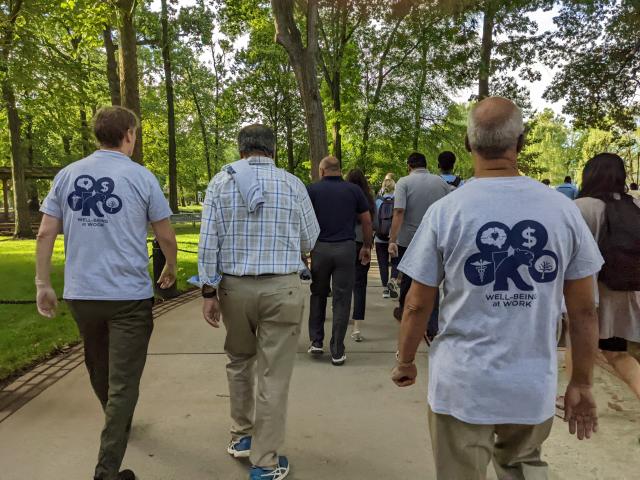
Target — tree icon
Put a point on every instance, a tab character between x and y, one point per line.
545	264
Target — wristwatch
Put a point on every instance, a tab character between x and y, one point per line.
209	292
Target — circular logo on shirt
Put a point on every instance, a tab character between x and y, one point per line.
94	197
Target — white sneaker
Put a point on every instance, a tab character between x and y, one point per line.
393	288
314	349
385	293
339	361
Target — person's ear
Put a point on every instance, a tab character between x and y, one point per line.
467	145
520	145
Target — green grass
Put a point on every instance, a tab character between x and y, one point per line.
25	336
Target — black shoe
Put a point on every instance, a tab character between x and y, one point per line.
315	349
126	475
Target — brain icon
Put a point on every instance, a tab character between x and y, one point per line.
494	236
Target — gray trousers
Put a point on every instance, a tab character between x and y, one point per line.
332	266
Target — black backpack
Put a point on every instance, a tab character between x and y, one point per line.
384	219
456	182
620	245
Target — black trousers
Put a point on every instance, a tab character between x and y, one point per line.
332	267
360	286
382	252
405	285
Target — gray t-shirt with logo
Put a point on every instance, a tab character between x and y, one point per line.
415	193
105	202
504	248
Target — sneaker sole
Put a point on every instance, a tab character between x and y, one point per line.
315	353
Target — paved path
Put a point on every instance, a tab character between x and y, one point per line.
345	422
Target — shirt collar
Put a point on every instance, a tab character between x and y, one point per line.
333	178
419	170
113	153
260	160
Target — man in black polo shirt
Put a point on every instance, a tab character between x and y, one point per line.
338	206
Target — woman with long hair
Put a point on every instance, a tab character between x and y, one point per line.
384	215
357	177
604	182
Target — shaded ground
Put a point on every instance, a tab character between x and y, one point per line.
349	422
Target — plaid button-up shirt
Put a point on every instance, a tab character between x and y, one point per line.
268	241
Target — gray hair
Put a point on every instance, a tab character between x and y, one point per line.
256	138
496	133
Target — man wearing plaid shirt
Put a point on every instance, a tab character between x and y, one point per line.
256	221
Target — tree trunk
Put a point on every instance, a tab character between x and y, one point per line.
129	89
171	118
112	67
84	132
203	126
5	198
486	52
66	146
417	117
337	125
32	186
303	61
291	162
21	210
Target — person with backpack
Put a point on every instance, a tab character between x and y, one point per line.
446	163
356	176
614	219
382	227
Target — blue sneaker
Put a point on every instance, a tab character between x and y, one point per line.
278	473
240	448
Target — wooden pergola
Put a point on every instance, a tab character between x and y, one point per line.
39	173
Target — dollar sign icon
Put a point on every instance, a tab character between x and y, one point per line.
527	234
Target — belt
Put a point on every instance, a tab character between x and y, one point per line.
261	276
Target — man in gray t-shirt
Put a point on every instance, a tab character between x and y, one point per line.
103	205
507	249
414	194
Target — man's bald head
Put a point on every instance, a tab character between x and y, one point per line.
495	127
330	166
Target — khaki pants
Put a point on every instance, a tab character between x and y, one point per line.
262	316
116	336
462	451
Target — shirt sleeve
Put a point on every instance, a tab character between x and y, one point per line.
423	260
309	226
208	247
158	208
52	205
400	200
586	259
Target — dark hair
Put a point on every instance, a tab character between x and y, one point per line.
446	161
546	181
417	160
111	124
356	176
567	179
633	186
603	175
256	138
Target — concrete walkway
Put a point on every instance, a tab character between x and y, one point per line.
345	422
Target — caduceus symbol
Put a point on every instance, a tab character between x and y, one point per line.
481	268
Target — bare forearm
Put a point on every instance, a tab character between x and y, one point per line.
418	306
169	248
396	225
367	233
44	251
584	342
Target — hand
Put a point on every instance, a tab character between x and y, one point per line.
580	411
404	375
393	249
211	311
47	301
167	277
365	255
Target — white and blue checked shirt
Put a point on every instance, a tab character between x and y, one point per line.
268	241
